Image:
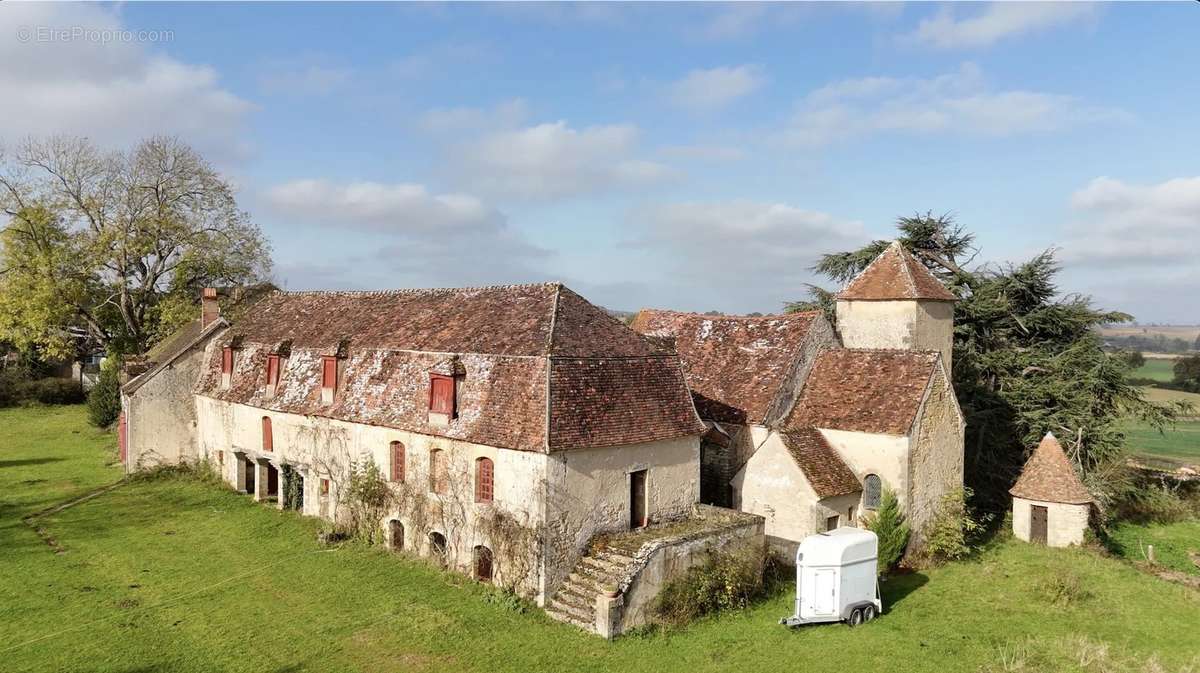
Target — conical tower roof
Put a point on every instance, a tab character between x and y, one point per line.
1050	477
896	274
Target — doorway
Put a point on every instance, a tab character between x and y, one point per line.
249	470
637	499
272	482
397	535
1038	516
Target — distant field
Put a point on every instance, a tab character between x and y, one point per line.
1179	445
1158	370
1163	395
1187	332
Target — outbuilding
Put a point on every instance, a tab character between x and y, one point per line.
1050	504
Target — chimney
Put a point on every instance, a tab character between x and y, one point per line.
210	310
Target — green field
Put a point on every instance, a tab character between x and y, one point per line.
1179	444
1156	369
1174	543
176	575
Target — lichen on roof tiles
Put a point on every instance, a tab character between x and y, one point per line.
895	274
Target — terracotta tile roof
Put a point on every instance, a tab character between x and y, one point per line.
504	338
876	391
604	402
820	463
896	274
1050	477
735	365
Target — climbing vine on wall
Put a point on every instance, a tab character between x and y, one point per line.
293	488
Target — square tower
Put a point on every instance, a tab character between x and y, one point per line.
897	303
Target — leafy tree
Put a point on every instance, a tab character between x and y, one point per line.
890	526
105	245
1187	372
1027	359
1135	359
104	399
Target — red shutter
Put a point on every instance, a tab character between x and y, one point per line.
328	372
227	360
397	462
272	370
441	394
268	441
122	436
324	487
483	480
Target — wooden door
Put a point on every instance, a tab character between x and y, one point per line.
1038	516
637	499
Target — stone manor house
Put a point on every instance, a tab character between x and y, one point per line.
515	424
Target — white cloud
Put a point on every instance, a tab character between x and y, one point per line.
549	161
438	59
1154	226
422	238
956	102
115	92
997	21
716	87
703	152
742	253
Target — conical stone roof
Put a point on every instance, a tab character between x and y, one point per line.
1050	477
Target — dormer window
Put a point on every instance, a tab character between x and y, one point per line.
226	366
441	395
329	378
273	362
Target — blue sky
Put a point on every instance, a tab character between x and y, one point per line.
694	156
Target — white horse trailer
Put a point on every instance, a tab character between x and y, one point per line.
836	578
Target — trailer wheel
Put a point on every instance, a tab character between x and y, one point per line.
868	613
856	617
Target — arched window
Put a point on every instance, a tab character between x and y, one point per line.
483	564
396	451
437	471
268	441
437	546
872	491
484	472
396	535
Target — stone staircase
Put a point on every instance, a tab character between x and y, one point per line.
599	569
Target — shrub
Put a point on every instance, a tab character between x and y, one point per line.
1157	503
890	525
1063	588
725	581
104	400
17	388
368	497
951	534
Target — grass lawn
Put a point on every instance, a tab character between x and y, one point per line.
175	575
1172	542
1157	369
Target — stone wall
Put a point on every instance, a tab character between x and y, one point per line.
589	493
323	449
667	559
866	453
1065	524
936	460
161	415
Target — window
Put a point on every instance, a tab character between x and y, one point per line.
483	479
872	491
441	395
396	451
272	371
324	487
437	471
227	360
268	441
328	373
831	523
483	564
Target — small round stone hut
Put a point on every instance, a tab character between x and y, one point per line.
1050	504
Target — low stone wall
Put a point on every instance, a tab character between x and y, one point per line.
662	559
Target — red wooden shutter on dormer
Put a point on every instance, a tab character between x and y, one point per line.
441	394
227	360
272	370
328	372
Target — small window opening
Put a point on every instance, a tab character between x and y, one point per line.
484	474
396	451
483	564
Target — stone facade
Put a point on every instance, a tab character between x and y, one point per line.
1065	523
898	324
935	464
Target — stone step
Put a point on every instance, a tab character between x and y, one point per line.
589	581
579	597
601	566
583	613
567	618
616	555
